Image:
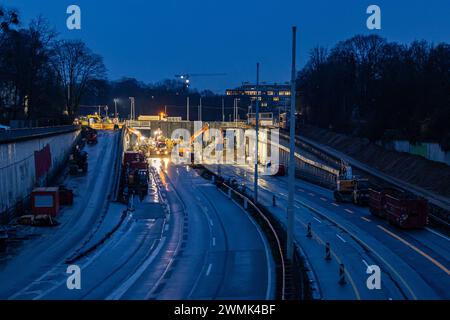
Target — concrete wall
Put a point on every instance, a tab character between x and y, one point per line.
428	150
17	166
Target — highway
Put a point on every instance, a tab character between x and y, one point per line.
184	240
415	264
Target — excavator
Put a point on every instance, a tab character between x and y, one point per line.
351	188
189	149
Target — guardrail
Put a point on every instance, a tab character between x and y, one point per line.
293	278
279	248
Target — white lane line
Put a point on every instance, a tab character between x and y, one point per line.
317	220
349	211
119	292
365	262
297	206
211	222
437	233
311	194
323	199
343	240
301	190
214	241
209	269
335	204
166	228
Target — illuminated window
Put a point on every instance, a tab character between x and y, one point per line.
270	93
276	99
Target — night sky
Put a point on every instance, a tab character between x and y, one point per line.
155	39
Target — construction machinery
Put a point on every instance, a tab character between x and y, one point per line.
189	148
400	208
78	164
91	136
351	188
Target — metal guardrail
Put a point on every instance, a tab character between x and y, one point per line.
247	201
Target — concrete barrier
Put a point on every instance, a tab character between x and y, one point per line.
20	170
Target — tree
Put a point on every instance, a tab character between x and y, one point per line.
77	66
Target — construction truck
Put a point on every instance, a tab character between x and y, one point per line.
78	164
351	188
91	136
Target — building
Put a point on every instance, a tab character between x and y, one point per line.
273	97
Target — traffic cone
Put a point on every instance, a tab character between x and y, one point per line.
309	233
342	280
327	251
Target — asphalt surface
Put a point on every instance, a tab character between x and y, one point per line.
183	240
414	263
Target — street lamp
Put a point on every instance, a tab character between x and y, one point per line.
115	107
132	115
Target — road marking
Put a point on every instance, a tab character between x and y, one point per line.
283	194
209	269
317	220
365	262
125	286
423	254
323	199
335	204
311	194
211	222
297	206
166	228
437	233
214	241
349	211
320	241
366	219
371	249
343	240
301	190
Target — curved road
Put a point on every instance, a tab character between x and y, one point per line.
184	240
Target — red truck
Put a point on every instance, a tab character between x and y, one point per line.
132	156
402	209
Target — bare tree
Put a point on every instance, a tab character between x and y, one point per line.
76	66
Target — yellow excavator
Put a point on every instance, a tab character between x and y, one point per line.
196	134
351	188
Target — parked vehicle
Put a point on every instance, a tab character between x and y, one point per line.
401	209
78	164
351	188
91	137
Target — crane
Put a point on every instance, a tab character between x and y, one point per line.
186	76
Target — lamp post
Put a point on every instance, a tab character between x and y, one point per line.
132	115
257	135
115	107
291	167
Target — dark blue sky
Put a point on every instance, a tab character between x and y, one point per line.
155	39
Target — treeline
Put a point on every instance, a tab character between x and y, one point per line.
169	96
42	77
377	89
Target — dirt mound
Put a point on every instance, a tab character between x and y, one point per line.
430	175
